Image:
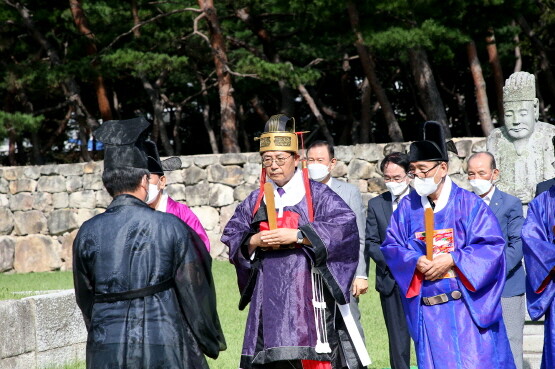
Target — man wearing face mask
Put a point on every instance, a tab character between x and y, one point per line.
321	161
158	198
482	172
142	278
395	167
451	297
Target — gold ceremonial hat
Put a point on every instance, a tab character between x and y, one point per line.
276	135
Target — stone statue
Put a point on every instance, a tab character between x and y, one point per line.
522	148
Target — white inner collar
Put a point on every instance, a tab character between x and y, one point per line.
294	192
441	202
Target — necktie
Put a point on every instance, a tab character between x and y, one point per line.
281	191
396	202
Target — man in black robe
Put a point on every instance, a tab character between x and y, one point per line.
142	278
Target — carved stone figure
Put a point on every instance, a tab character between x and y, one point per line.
522	148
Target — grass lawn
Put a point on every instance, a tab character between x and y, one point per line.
233	320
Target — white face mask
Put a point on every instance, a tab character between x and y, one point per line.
396	188
318	172
153	192
480	186
425	186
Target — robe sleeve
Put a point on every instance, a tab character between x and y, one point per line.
83	284
196	292
539	255
335	241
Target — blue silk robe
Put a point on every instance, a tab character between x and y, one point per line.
280	325
539	258
462	334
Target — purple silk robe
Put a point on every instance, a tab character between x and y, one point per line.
462	334
539	258
183	212
280	325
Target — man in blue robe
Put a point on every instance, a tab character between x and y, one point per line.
293	289
451	299
538	238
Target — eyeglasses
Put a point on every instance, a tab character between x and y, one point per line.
394	179
268	161
412	174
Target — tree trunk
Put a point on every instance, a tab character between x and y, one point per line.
319	118
82	26
497	73
428	93
206	115
366	58
545	64
365	114
480	86
136	19
153	92
69	86
518	55
225	86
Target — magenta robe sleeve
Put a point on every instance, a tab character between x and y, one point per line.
183	212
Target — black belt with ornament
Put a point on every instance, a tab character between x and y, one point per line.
442	298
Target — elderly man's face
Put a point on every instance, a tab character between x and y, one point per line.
280	166
520	118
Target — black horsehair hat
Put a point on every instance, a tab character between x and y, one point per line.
157	166
433	147
124	141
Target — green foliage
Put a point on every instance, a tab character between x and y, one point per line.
18	122
139	62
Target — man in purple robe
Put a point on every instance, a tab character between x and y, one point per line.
451	302
538	238
294	276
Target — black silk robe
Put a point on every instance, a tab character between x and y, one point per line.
130	247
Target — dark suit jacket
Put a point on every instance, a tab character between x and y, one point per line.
377	220
544	186
508	210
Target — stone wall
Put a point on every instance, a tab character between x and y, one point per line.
41	207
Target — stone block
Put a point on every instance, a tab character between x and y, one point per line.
464	148
32	172
208	216
220	195
253	157
92	182
52	184
369	152
74	183
533	343
532	360
30	222
71	169
361	169
12	173
58	312
48	170
60	200
67	250
82	200
231	175
61	221
393	147
103	198
455	164
42	201
251	173
6	221
17	323
177	192
21	201
7	251
4	202
4	185
339	170
197	195
479	146
36	253
360	184
61	356
193	175
174	176
23	361
367	197
22	185
461	180
186	161
92	167
217	249
85	214
241	192
533	328
203	161
376	185
344	153
226	212
233	159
